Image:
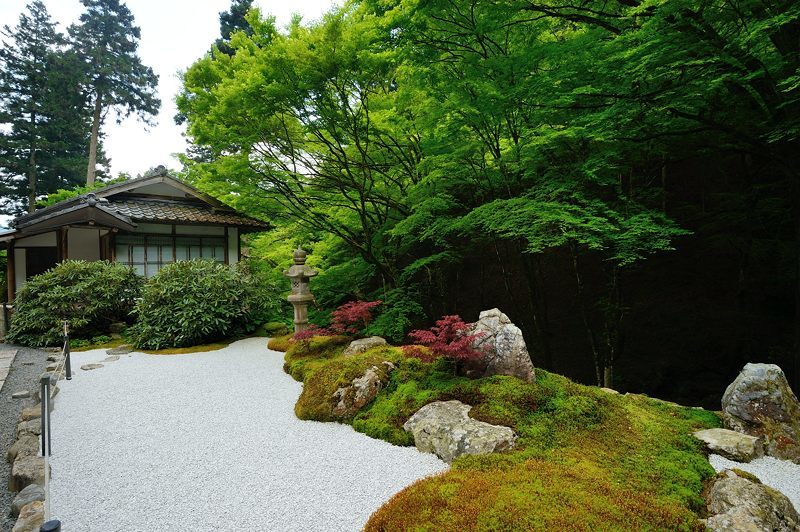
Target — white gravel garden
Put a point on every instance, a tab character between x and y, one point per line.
207	442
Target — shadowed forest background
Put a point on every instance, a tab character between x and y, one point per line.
620	178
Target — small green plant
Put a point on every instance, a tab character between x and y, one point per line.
79	343
101	339
197	302
89	295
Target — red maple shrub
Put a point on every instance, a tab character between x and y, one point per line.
449	338
352	317
348	319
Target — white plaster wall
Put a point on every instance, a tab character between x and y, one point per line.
83	244
37	241
233	245
19	267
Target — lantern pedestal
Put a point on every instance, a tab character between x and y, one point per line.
301	295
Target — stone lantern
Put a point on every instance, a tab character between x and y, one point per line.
301	295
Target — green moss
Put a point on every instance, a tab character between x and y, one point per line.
584	459
744	474
272	329
305	355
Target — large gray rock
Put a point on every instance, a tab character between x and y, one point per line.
350	399
30	518
445	429
731	444
760	403
364	344
26	445
32	426
741	505
28	495
25	471
502	346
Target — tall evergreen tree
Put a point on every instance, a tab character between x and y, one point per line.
42	109
232	21
107	40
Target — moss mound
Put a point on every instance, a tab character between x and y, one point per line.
585	459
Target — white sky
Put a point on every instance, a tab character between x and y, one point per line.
174	34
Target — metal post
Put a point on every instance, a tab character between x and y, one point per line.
51	526
44	395
67	357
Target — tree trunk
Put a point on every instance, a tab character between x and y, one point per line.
596	357
32	168
91	170
608	376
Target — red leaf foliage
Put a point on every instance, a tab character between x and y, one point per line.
350	318
449	338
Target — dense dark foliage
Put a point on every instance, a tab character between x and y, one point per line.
89	295
621	179
194	302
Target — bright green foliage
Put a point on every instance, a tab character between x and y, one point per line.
65	194
89	295
584	459
304	355
195	302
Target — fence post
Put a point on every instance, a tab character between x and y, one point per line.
67	357
51	526
44	395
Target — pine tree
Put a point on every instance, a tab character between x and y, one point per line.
42	109
232	21
107	40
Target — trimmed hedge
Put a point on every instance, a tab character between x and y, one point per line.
90	295
200	301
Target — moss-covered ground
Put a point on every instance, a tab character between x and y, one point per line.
585	459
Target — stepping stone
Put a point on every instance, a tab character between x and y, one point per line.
112	358
23	394
121	350
51	367
89	367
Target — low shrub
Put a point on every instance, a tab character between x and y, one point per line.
348	319
89	295
272	329
449	338
198	302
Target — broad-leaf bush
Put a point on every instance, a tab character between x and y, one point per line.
199	301
89	295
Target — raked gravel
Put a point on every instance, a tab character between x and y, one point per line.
209	442
782	475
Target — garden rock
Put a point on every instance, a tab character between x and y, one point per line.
350	399
32	426
760	403
502	346
89	367
112	358
445	429
37	397
32	412
364	344
22	394
739	504
121	350
28	495
30	518
731	444
25	471
26	445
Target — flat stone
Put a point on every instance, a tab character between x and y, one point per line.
31	518
52	367
89	367
32	426
22	394
112	358
28	495
731	444
121	350
362	345
445	429
25	471
26	445
31	412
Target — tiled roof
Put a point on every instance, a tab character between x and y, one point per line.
149	210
